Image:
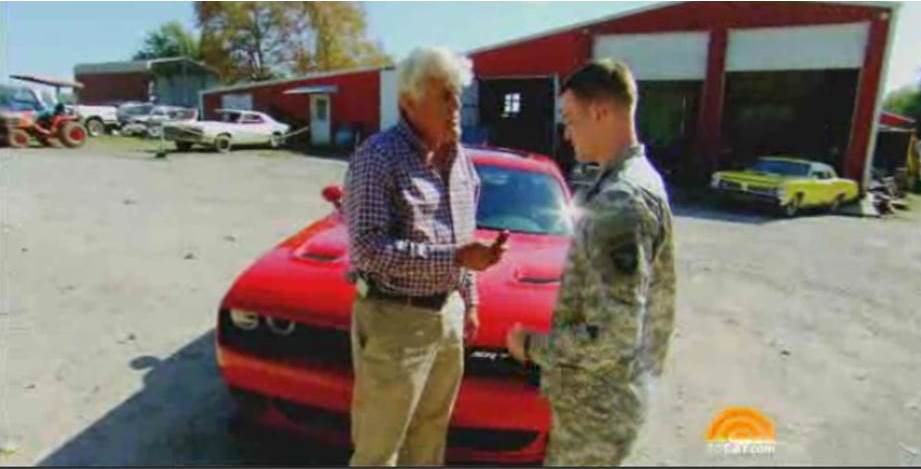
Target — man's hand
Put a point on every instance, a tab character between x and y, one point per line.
471	323
514	341
479	256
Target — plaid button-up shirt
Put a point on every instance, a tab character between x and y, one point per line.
404	222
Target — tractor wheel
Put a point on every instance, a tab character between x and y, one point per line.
19	138
95	127
72	134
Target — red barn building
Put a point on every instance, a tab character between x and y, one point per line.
720	84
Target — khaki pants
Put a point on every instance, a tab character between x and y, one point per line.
408	366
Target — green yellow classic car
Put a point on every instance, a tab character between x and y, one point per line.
790	184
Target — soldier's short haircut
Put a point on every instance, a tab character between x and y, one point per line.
603	79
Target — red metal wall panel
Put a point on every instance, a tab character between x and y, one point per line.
107	88
563	52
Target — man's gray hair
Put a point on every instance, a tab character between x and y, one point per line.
439	63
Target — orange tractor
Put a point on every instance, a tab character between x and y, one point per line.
25	115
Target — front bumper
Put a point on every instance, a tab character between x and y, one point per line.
494	420
179	134
767	197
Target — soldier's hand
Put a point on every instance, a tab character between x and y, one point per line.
514	341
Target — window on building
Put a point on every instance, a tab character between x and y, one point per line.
321	109
512	106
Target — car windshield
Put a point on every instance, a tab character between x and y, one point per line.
785	168
521	201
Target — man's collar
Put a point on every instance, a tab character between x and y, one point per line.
405	129
617	163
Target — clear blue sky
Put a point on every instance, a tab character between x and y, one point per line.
48	38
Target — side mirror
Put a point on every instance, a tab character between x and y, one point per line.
333	194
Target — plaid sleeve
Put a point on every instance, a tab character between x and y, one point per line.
468	280
370	217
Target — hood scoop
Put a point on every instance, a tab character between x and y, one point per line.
328	246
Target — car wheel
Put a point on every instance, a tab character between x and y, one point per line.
183	146
275	141
95	127
836	204
154	132
793	206
222	143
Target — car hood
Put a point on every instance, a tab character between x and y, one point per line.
303	279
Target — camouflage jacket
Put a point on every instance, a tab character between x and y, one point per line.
615	310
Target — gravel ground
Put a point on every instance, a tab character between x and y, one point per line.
112	263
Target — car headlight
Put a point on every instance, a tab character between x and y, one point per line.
715	181
244	319
781	193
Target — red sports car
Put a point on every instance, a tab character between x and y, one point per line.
283	328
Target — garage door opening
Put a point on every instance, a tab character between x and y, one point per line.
518	113
805	114
667	117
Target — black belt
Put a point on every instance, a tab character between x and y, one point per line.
436	301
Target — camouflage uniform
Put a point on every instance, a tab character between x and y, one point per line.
613	318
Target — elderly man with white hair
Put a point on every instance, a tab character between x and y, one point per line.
410	207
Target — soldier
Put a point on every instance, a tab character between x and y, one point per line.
615	311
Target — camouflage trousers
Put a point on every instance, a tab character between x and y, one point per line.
595	420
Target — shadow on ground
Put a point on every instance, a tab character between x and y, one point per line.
183	416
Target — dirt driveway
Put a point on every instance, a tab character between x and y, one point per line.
112	264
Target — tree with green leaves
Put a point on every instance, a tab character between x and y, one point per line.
905	101
169	40
257	41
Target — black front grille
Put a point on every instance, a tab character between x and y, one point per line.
316	344
490	440
730	185
499	364
175	133
332	346
458	437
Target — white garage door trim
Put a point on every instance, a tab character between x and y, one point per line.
238	101
658	56
797	48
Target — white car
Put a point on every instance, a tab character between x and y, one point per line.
97	119
151	124
235	127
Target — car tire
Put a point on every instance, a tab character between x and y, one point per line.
183	146
154	132
836	204
791	209
19	138
222	143
95	127
72	134
275	141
